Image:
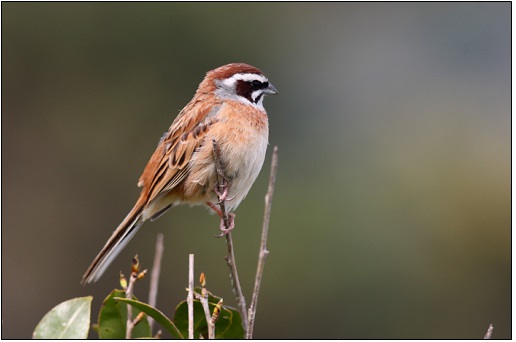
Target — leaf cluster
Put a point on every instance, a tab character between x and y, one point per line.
71	319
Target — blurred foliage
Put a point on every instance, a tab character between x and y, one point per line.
392	208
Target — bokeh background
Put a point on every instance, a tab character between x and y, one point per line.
391	217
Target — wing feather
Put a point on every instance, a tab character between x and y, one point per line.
168	165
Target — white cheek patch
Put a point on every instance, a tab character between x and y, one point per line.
255	94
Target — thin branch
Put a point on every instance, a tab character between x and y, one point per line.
489	332
230	259
206	307
156	269
263	246
203	298
129	295
158	335
135	275
235	281
190	297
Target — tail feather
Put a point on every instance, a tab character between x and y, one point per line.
118	240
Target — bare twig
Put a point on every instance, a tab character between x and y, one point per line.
129	295
190	297
235	281
156	268
139	318
263	246
489	332
230	259
135	268
206	307
203	298
158	335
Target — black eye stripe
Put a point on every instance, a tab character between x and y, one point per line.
255	85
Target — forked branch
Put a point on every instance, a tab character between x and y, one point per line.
247	317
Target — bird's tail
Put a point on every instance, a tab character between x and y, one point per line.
118	240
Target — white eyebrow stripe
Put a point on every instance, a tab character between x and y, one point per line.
244	77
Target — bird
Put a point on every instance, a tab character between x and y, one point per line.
225	116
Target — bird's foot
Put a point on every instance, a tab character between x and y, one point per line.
225	230
222	191
230	217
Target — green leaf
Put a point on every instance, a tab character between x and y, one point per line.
235	328
229	324
68	320
165	322
113	319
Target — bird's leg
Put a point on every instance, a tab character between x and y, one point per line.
214	208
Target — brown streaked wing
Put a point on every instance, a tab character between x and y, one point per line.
168	165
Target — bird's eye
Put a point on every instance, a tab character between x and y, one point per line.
256	84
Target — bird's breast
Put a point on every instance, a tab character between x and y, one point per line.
243	145
241	135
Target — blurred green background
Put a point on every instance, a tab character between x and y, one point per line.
391	217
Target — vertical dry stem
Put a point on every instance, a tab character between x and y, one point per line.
156	269
190	297
129	295
203	298
489	332
263	246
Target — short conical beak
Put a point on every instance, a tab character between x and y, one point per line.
270	90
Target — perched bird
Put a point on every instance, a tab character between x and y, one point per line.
227	109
